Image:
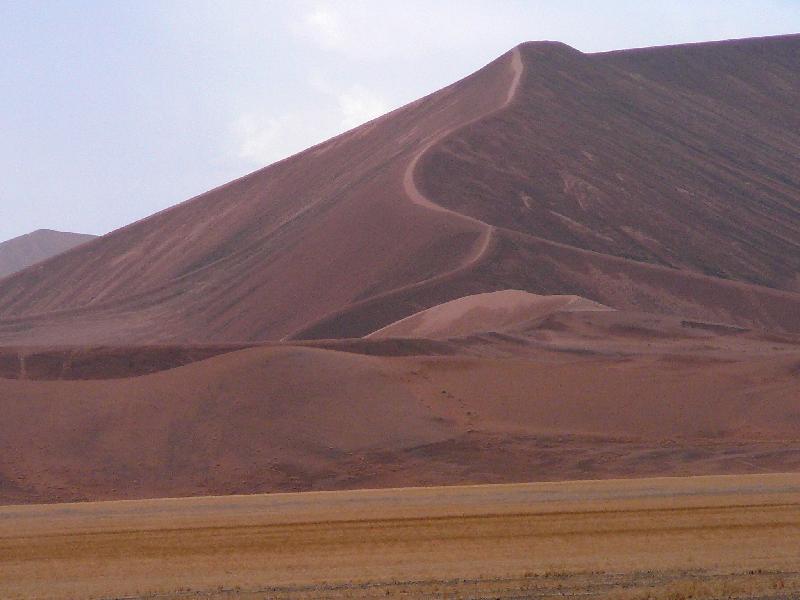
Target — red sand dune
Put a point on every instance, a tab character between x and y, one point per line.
490	312
26	250
580	394
216	347
662	180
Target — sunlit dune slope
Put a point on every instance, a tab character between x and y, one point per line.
489	312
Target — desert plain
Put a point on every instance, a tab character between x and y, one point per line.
670	538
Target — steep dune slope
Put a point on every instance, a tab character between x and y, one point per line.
622	178
601	183
29	249
679	156
268	253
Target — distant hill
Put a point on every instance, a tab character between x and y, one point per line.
31	248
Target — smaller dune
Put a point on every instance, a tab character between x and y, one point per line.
490	312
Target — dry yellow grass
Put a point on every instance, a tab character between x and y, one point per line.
669	538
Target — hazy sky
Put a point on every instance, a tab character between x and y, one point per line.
112	110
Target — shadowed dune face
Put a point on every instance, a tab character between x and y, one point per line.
683	156
104	362
570	394
662	180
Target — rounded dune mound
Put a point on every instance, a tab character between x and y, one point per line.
478	313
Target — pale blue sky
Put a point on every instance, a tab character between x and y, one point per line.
112	110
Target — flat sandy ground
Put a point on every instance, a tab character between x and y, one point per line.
671	538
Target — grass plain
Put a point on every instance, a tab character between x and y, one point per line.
661	538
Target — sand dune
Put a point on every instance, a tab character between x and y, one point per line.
334	321
580	394
489	312
634	179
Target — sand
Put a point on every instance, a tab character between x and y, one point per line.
565	395
613	177
490	312
652	538
564	266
